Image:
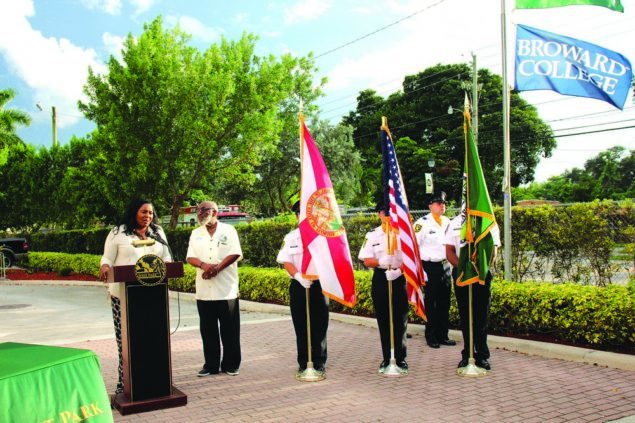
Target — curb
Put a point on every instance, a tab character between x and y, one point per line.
543	349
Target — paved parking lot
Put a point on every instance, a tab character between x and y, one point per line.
555	386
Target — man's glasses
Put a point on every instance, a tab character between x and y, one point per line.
204	210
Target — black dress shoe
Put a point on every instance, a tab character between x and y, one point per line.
448	342
464	362
402	364
434	345
408	336
483	364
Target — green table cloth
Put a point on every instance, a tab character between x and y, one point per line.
40	383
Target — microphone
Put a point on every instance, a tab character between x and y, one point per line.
143	243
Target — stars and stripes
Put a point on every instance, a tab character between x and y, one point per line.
396	207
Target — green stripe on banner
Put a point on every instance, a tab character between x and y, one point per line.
544	4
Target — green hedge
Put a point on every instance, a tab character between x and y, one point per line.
594	316
576	241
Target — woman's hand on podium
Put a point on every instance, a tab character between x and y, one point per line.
103	272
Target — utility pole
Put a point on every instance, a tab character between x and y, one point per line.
475	89
54	119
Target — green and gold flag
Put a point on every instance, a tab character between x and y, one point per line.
544	4
477	244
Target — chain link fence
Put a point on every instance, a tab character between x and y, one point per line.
532	265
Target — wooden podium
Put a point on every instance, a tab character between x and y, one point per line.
145	333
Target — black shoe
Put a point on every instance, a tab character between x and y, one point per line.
408	336
448	342
320	368
483	364
464	362
232	372
382	366
205	372
434	345
402	364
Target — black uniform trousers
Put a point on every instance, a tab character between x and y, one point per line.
379	294
220	322
319	309
481	301
436	298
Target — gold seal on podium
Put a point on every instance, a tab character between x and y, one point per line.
150	270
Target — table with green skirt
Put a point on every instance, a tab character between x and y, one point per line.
40	383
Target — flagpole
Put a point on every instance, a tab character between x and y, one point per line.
392	370
507	197
309	374
471	370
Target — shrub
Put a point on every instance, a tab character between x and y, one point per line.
590	315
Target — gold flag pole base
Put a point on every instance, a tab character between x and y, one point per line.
310	374
471	370
392	370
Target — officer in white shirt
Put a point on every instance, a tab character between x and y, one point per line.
291	256
481	297
430	234
387	269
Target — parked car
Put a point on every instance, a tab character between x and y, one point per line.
13	250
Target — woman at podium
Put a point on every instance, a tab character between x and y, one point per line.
137	234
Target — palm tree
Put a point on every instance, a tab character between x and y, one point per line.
9	120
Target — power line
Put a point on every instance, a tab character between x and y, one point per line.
380	29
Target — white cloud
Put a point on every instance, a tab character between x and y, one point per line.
306	10
112	7
197	29
142	6
55	69
194	27
113	44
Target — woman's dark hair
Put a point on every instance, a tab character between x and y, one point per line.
129	218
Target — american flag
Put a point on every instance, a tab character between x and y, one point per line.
396	203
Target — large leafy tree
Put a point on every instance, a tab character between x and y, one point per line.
609	175
277	176
171	120
10	118
419	114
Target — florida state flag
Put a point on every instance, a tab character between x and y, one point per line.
323	236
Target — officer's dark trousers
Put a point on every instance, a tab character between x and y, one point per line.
437	295
379	294
481	301
319	309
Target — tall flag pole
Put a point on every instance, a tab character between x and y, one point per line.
323	235
507	194
475	253
396	206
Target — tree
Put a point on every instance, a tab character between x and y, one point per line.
171	120
9	120
419	113
278	174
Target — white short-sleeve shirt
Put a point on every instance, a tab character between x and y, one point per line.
214	249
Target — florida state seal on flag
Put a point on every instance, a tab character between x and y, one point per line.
326	248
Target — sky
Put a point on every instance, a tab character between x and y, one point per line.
47	46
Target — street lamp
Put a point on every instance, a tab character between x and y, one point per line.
53	119
429	183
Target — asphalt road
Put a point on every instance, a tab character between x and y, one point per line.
57	314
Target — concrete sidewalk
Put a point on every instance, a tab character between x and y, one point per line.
530	382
